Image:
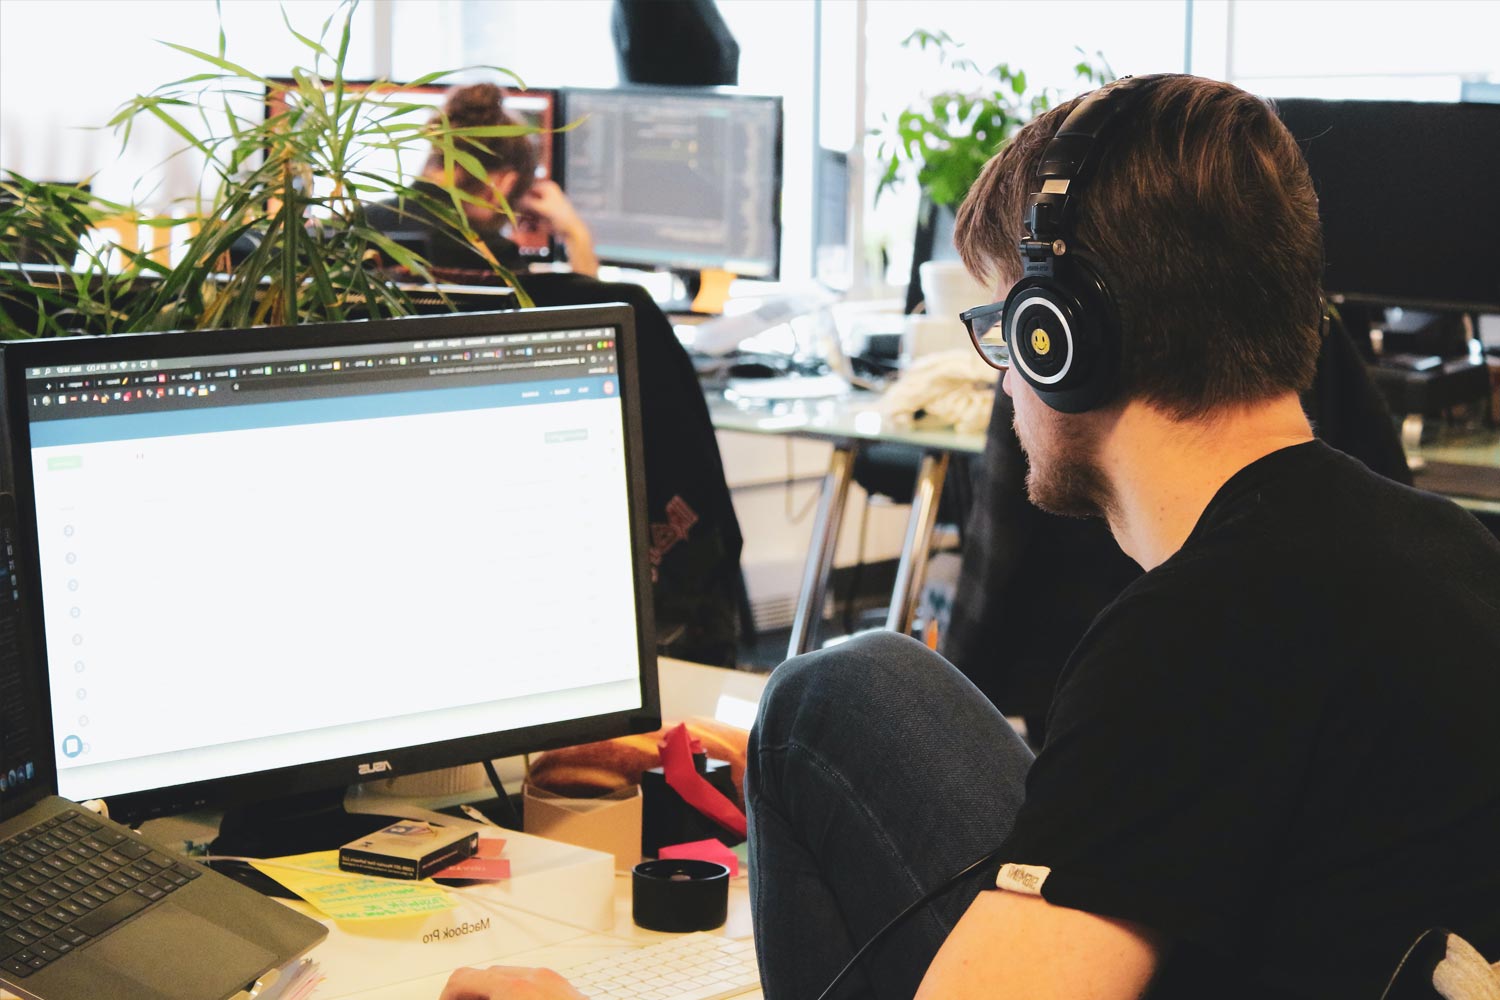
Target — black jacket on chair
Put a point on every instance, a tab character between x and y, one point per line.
695	536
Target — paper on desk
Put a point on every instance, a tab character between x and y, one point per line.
295	982
342	896
703	850
486	865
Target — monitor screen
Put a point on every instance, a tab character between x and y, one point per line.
536	108
677	179
1408	199
290	559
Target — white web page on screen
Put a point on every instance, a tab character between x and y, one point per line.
231	601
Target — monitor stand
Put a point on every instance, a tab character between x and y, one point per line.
703	292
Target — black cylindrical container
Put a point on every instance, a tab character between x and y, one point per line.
680	895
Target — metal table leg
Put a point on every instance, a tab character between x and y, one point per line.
825	536
912	570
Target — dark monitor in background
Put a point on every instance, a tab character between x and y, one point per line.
534	107
683	43
1408	198
677	179
284	561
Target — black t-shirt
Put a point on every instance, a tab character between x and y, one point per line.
1281	747
413	225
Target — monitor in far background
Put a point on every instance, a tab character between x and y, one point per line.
1408	199
677	179
534	107
284	561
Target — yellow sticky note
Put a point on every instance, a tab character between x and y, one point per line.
344	896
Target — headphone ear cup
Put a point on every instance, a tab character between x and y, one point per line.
1063	335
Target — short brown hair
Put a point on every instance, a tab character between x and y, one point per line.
476	106
1203	216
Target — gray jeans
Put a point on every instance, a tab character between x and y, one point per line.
876	772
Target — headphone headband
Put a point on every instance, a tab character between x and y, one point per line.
1060	320
1068	159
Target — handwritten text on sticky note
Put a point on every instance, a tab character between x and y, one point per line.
343	896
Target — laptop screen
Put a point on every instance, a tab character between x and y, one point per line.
258	558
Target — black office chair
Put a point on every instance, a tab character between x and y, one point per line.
695	535
1440	965
701	605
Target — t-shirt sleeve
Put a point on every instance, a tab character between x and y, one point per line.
1166	791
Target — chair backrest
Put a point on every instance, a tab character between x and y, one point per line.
1440	965
695	535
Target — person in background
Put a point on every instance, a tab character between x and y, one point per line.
510	173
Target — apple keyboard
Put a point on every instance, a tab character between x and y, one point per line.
692	967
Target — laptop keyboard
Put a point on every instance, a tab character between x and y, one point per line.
69	879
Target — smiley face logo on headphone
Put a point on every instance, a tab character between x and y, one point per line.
1040	342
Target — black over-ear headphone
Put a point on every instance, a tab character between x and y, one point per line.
1060	320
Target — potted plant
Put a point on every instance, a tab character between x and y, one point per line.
943	141
288	188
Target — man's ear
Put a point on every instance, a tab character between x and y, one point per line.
504	182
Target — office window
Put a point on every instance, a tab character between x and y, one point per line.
65	68
1142	37
1375	51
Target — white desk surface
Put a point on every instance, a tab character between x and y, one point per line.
686	690
567	946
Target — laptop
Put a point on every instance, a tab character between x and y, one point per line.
88	908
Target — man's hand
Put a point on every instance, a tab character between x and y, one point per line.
508	982
547	201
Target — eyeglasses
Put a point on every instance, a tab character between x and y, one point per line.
987	333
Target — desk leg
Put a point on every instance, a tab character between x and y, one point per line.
912	570
825	536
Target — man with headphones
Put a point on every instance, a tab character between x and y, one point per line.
1257	780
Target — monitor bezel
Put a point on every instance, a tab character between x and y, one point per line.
333	773
33	677
560	158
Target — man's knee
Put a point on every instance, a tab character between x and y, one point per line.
876	666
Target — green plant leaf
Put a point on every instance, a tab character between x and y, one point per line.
944	139
259	179
233	68
314	46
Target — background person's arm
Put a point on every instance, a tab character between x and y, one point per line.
1013	945
547	200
